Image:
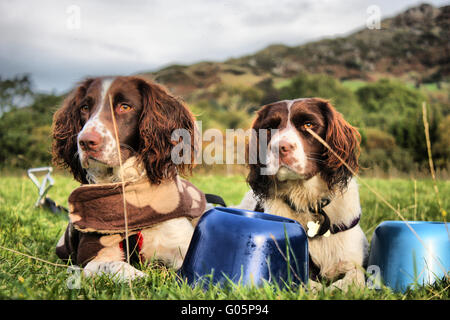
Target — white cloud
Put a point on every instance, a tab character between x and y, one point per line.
117	37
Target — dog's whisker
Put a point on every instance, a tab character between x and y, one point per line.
315	159
76	157
130	148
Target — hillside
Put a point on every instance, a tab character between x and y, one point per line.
413	46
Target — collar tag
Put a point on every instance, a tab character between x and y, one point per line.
313	228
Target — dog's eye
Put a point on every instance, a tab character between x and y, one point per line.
308	125
84	108
123	108
272	123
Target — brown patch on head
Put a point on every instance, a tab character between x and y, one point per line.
306	113
125	96
269	117
272	116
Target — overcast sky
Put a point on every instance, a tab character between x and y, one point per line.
60	42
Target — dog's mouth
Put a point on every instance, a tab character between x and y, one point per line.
97	161
92	162
285	173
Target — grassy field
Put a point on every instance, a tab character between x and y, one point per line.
35	232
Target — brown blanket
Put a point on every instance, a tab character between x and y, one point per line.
98	210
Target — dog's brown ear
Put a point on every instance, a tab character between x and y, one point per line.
66	126
162	115
345	141
260	183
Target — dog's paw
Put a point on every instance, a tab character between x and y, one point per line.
118	270
354	278
314	286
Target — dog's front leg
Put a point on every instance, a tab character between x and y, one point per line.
117	270
167	241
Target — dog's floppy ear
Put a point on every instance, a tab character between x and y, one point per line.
260	183
161	116
66	126
345	141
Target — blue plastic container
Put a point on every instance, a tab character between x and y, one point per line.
246	247
402	259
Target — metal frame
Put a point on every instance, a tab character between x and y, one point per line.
43	186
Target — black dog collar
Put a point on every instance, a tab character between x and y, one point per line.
325	226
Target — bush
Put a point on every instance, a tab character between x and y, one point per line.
396	109
25	133
227	107
307	85
441	149
377	139
379	150
387	160
387	103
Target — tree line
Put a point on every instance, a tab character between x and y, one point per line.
387	113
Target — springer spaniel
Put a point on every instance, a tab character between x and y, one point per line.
300	179
84	141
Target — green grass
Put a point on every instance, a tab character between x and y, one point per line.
35	232
354	84
282	83
432	87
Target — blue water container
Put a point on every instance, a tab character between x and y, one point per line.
246	247
403	260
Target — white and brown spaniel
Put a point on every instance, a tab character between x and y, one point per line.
300	179
84	141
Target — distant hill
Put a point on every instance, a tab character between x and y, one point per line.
413	46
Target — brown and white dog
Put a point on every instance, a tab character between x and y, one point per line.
84	141
302	178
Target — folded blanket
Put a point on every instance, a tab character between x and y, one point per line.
98	210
